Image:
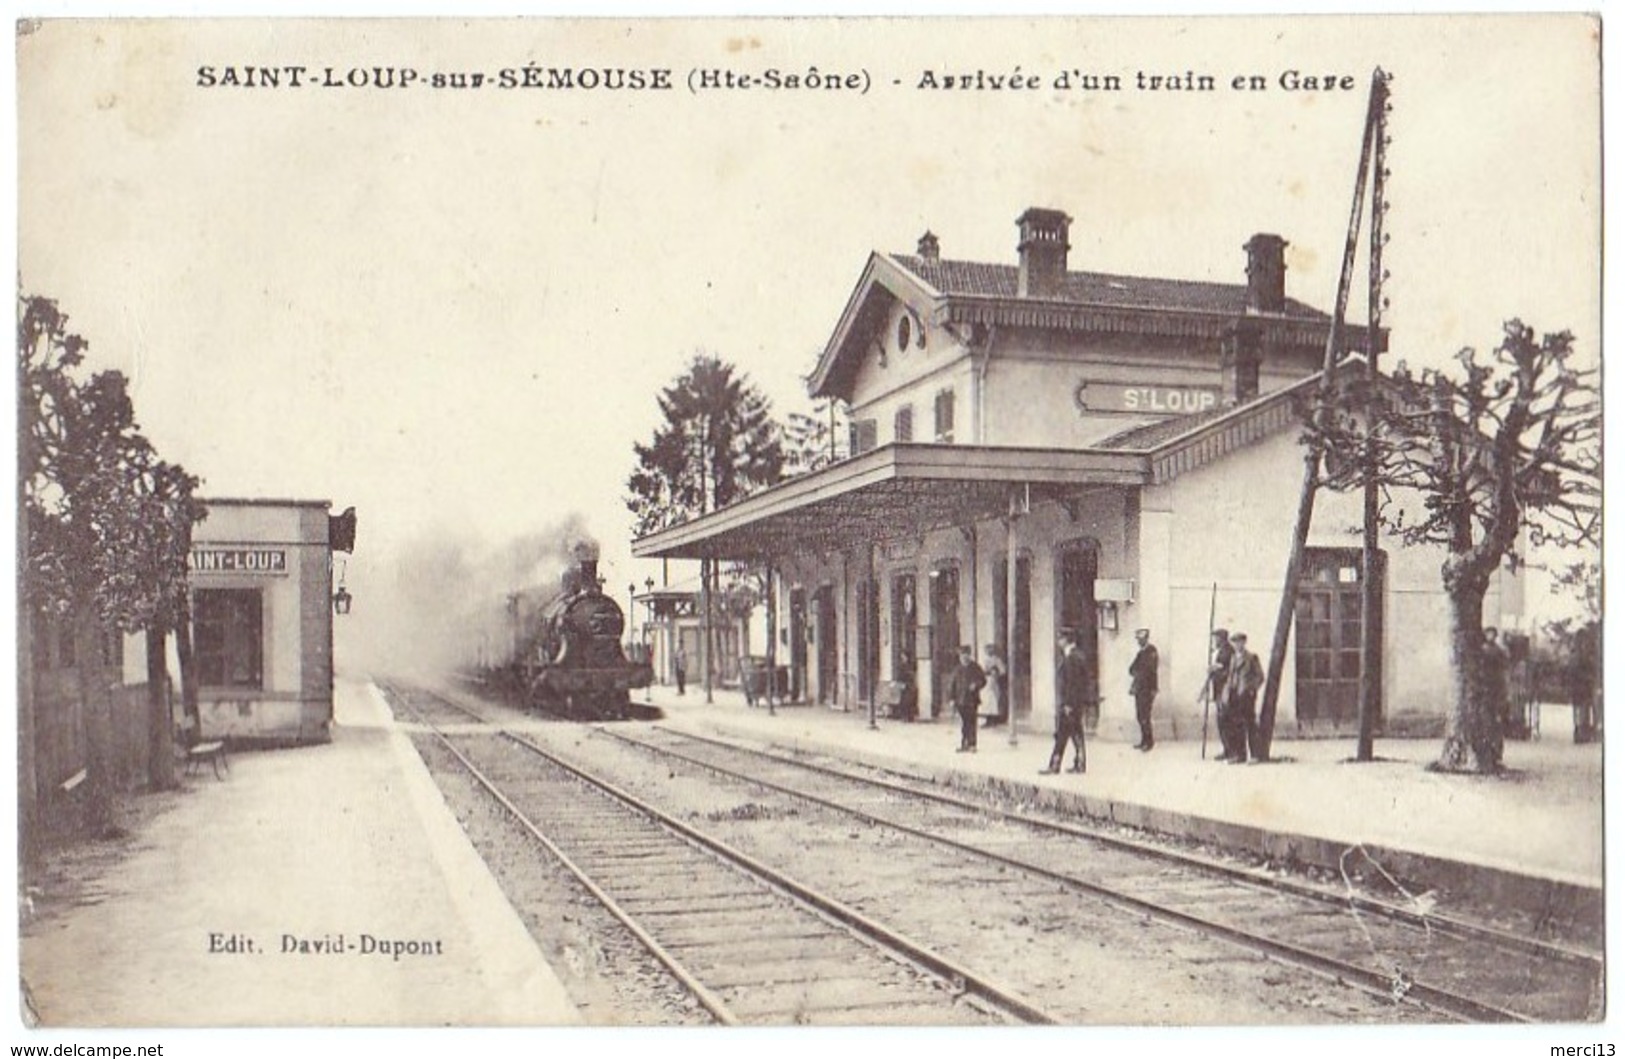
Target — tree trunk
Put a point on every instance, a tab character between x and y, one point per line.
1472	740
96	704
160	757
183	651
27	761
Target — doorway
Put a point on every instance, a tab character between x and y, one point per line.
1077	564
1020	660
824	632
1327	638
868	639
944	633
903	624
798	644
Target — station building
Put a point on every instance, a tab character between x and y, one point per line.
1039	449
263	602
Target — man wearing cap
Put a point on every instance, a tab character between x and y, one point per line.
965	692
1072	687
1246	678
1142	684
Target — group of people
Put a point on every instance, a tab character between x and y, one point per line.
1235	677
1075	686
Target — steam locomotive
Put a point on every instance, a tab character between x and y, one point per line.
569	658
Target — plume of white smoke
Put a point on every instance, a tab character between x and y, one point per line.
443	604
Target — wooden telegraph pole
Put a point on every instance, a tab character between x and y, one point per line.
1371	581
1376	110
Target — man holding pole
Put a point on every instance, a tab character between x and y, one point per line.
1218	676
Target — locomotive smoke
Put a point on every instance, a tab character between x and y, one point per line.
445	604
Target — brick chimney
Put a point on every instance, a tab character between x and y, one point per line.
1266	273
1241	352
1042	252
929	249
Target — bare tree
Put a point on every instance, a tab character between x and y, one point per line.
813	442
1474	461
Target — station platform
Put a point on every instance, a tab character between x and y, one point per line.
346	846
1531	839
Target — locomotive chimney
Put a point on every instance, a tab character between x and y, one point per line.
586	569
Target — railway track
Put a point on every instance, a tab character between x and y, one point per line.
752	945
1421	966
1458	969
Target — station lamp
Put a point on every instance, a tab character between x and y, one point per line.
342	598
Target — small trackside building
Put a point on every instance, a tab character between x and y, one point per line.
1038	451
262	620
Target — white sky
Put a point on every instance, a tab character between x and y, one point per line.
453	309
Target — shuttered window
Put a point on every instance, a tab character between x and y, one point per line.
863	435
903	424
945	417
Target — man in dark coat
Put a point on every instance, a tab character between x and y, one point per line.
965	691
1142	684
1073	681
1218	676
1246	678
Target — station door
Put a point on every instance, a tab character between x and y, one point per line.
825	634
798	644
1327	639
1020	661
1077	565
944	633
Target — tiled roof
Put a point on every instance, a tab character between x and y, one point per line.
1149	436
981	279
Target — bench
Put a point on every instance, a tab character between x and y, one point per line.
195	754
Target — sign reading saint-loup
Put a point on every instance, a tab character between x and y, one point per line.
239	560
1156	400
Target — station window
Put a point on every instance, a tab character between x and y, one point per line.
945	417
903	423
862	435
228	625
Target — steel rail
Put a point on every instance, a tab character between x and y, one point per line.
712	1003
1432	996
1439	922
961	979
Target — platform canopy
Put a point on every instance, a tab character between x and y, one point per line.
894	491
